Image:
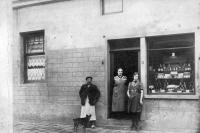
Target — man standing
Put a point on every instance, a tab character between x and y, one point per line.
89	95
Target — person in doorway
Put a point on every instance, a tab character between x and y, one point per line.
89	95
135	101
119	90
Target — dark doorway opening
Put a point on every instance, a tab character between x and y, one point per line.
125	54
128	61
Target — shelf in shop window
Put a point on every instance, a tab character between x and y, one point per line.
167	72
172	78
167	92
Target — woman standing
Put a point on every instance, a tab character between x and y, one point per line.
118	98
135	102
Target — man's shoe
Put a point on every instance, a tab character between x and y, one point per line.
93	126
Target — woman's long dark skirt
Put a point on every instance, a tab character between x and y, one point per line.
135	120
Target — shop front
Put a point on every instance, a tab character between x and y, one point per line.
58	43
168	68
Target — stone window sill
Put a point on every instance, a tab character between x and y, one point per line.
151	96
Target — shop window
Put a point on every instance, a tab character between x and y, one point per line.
34	56
171	67
112	6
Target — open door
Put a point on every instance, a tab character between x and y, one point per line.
127	58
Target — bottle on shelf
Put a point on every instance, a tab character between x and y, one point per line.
176	67
185	67
182	67
181	87
170	68
189	67
165	85
159	85
184	84
158	69
164	67
179	67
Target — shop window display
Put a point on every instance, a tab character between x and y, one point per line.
171	64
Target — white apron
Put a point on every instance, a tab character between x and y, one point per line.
88	109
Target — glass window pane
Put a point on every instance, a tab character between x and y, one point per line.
111	6
35	68
124	43
34	44
171	66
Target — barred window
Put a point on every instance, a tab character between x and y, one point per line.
34	56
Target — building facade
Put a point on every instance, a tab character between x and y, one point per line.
6	122
58	43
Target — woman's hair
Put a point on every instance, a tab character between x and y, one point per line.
119	68
135	73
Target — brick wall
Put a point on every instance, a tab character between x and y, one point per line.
58	96
67	70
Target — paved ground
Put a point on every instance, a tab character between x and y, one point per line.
45	127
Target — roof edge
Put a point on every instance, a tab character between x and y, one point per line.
16	4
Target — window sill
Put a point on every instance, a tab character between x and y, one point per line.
31	84
160	96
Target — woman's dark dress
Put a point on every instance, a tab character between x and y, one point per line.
134	90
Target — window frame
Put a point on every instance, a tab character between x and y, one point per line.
148	50
24	36
143	61
103	12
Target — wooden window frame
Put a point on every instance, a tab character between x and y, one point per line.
107	13
25	35
173	48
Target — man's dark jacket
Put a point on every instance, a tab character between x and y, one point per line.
92	92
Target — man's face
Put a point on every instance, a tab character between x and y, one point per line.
89	80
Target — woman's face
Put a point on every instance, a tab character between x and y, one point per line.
135	77
120	72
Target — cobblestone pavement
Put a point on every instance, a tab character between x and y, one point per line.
56	127
45	127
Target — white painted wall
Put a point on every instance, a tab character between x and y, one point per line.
79	23
5	67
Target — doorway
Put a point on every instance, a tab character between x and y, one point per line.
126	55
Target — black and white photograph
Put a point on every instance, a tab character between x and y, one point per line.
99	66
